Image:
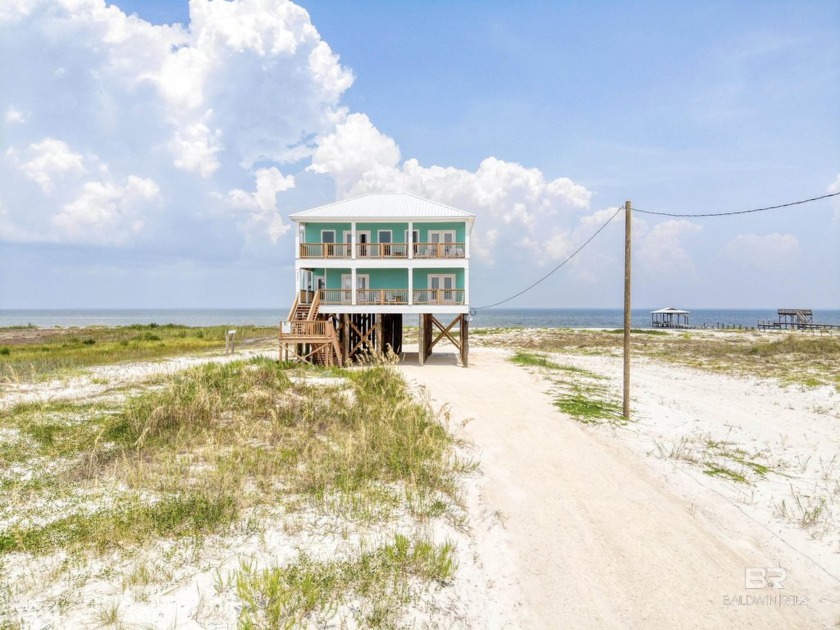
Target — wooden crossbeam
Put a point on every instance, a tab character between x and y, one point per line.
363	338
316	348
445	332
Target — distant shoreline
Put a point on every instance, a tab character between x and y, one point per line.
491	318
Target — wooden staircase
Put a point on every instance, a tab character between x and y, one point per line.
310	336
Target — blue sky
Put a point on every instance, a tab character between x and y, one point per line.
146	165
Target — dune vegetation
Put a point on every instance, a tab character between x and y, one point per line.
224	456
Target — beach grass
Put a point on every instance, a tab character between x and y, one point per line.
717	458
225	451
377	582
215	440
577	391
798	358
28	354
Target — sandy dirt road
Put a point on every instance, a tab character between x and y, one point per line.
591	537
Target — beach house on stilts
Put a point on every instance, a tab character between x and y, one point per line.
364	264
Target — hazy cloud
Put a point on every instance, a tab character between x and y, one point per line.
771	251
43	161
14	117
662	249
106	213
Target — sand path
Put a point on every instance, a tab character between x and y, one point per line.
592	537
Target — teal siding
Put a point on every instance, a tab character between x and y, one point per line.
334	277
397	230
386	278
312	233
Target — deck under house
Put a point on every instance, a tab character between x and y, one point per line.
364	264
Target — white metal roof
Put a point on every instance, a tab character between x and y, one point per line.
673	310
384	206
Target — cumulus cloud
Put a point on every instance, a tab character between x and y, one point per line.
178	135
260	206
89	205
771	251
43	161
196	111
662	248
106	213
355	149
536	213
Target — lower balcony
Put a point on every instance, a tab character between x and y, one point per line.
392	297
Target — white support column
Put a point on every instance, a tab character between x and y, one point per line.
466	285
410	240
410	284
353	283
353	254
466	241
297	239
298	272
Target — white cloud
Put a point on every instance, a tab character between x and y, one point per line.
771	251
14	117
207	113
86	204
260	207
199	110
195	149
107	213
510	199
355	149
661	248
44	161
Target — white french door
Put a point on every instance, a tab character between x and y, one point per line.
444	237
442	288
362	286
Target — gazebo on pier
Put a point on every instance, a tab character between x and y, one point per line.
669	318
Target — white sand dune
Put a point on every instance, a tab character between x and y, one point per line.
594	530
590	526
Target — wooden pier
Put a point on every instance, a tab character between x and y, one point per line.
796	319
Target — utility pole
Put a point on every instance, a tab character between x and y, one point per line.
626	407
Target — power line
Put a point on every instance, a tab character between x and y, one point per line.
572	255
726	214
662	214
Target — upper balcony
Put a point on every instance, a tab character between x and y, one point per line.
383	250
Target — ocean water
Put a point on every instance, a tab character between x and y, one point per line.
490	318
